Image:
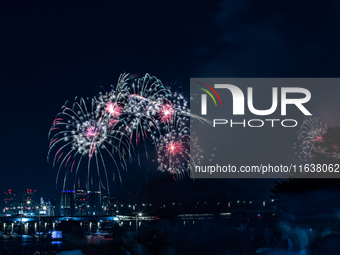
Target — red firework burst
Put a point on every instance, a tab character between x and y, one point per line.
319	139
114	109
166	113
174	148
91	132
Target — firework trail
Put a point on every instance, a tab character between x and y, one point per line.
109	105
130	109
311	137
144	101
141	107
79	135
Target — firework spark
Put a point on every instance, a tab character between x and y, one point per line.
166	113
113	109
310	136
174	148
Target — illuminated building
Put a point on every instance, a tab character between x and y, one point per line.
80	202
67	203
94	203
46	208
10	202
109	205
29	202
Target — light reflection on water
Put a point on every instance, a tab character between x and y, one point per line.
16	239
8	240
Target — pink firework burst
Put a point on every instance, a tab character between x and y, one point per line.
91	132
319	139
166	113
114	109
174	148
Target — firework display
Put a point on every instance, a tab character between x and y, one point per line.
119	125
174	151
77	135
311	137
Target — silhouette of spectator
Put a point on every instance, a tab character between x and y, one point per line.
166	233
293	239
260	235
117	246
237	239
328	245
73	238
129	241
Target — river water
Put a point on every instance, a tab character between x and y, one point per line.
15	240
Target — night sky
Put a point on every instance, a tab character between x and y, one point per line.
53	51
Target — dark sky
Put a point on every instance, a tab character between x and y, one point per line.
52	51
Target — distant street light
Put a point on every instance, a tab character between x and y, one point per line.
39	221
137	215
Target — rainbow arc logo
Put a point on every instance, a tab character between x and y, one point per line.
204	97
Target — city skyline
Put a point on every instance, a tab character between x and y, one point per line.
91	203
47	60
